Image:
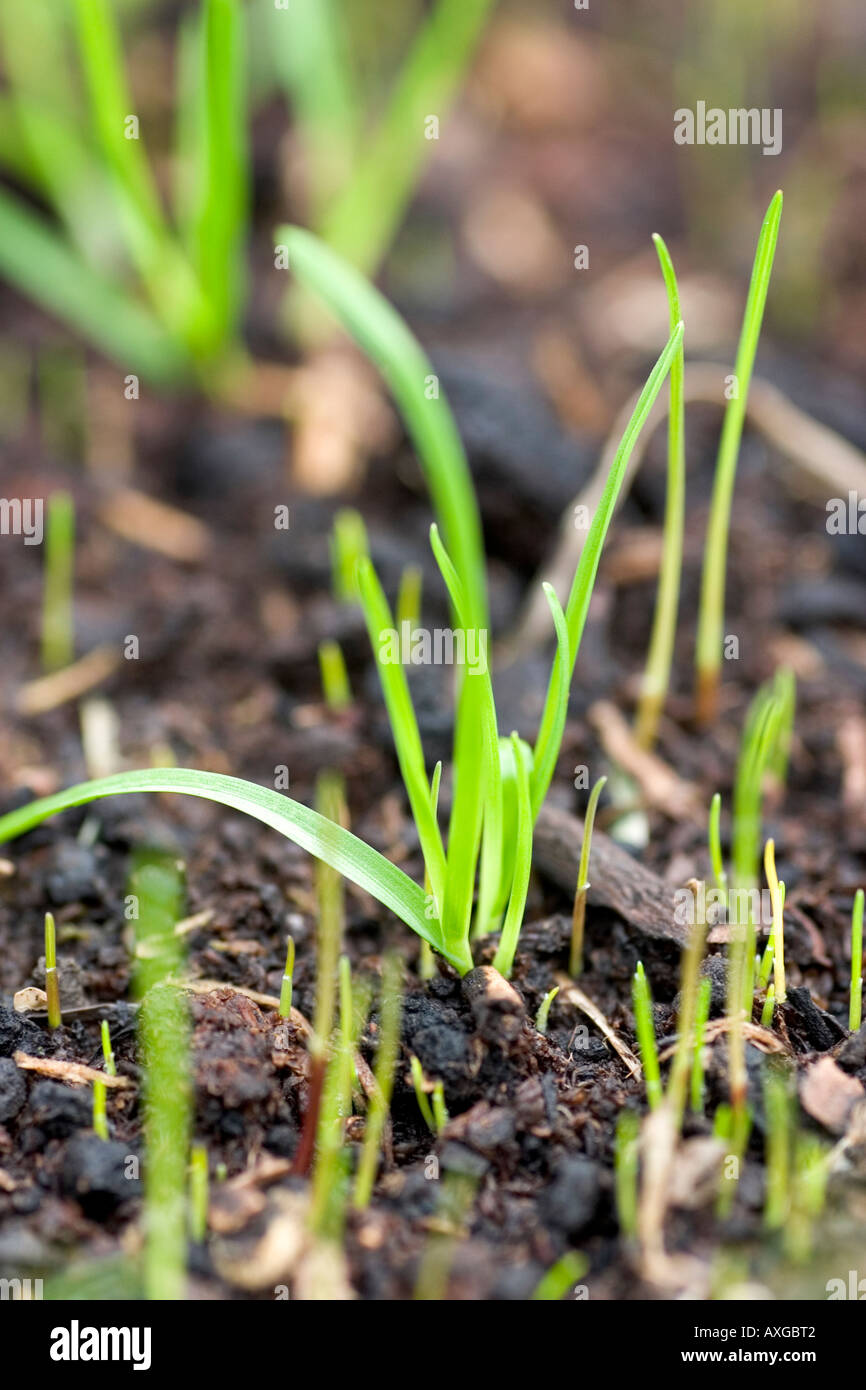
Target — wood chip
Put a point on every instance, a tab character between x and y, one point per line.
48	692
155	525
76	1073
662	788
570	992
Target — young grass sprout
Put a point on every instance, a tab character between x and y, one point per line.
855	1009
658	668
287	980
58	625
578	915
52	981
711	614
544	1009
646	1036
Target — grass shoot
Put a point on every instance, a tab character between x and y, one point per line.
198	1192
702	1014
287	980
646	1035
107	1050
335	677
678	1083
626	1160
658	667
58	624
768	1007
386	1061
855	1009
544	1009
711	613
561	1278
100	1117
52	981
778	922
578	914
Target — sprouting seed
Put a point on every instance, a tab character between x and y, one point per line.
544	1009
778	921
386	1061
769	1006
561	1277
855	1008
645	1028
335	677
578	915
408	609
702	1013
288	976
107	1051
198	1192
625	1162
52	980
100	1119
58	628
715	841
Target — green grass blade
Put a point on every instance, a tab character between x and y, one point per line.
41	264
341	849
218	216
404	727
363	221
546	747
504	958
492	813
661	648
711	615
547	751
385	338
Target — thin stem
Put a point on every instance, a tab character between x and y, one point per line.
578	915
52	980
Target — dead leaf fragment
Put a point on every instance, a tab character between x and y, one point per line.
829	1094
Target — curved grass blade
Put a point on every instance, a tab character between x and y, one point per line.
547	753
658	666
385	338
504	958
43	266
404	727
546	747
711	612
341	849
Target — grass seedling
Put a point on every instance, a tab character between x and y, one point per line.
335	677
808	1194
58	625
198	1193
440	1109
329	934
561	1278
763	755
646	1035
107	1051
418	1083
544	1009
348	545
163	299
711	614
702	1013
658	668
578	914
688	1012
386	1061
100	1118
779	1135
330	1172
778	922
156	887
855	1008
768	1007
52	981
715	841
287	980
492	812
625	1162
408	608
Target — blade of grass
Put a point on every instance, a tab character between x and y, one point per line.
504	958
385	338
363	220
658	667
338	847
711	613
58	623
546	748
40	264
